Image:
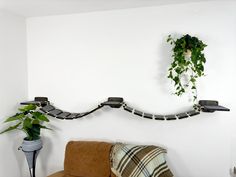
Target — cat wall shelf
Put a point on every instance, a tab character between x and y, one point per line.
118	102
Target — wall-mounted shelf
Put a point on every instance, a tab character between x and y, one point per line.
211	106
118	102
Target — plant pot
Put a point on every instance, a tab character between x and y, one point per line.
31	150
188	54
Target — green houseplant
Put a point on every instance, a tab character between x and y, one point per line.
29	120
188	63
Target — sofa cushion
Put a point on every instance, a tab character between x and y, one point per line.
139	161
87	159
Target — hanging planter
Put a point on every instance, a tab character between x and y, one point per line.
188	63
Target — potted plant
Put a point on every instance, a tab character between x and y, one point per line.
188	63
29	120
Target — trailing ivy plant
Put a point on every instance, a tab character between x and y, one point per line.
188	63
29	120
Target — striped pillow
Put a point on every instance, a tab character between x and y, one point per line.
139	161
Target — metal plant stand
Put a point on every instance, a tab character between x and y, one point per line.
31	150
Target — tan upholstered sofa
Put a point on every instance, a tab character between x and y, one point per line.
86	159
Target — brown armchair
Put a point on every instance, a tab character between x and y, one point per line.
86	159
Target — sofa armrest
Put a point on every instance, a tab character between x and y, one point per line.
57	174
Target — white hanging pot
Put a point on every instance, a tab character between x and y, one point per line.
188	54
31	150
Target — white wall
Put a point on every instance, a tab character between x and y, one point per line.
13	87
79	60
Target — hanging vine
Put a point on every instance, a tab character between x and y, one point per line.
188	63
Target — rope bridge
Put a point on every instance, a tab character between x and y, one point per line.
118	102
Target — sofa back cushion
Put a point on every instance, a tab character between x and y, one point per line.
87	159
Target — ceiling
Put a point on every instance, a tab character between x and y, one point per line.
30	8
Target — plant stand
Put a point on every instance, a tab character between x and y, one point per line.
31	150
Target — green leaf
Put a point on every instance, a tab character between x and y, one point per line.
178	70
43	118
35	121
193	79
18	116
40	116
170	75
176	79
28	108
44	127
27	123
11	128
36	114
